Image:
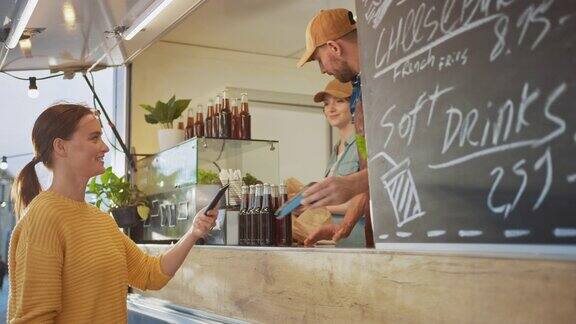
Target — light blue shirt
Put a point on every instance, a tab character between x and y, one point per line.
348	163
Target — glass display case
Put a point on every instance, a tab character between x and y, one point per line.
183	179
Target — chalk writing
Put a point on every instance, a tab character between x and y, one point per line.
425	27
495	132
565	232
399	183
403	234
511	233
435	233
519	170
469	233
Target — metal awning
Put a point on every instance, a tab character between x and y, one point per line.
78	35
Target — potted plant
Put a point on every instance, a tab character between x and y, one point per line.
125	202
165	113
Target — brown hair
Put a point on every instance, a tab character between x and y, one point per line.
58	121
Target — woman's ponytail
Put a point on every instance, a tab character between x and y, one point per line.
26	187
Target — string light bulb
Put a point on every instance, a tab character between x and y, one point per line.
33	88
4	163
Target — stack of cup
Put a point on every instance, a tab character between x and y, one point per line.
234	179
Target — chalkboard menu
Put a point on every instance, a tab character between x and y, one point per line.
470	111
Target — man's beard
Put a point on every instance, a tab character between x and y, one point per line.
342	71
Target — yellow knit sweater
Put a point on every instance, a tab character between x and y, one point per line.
69	263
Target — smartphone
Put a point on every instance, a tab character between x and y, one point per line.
291	204
217	198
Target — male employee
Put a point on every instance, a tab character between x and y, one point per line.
331	40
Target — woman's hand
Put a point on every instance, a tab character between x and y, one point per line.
203	223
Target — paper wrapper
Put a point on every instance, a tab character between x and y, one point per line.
234	179
293	186
310	219
234	192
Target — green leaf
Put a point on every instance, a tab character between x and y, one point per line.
113	178
361	144
98	203
143	212
105	177
207	177
165	113
92	186
162	113
147	108
180	106
150	119
171	101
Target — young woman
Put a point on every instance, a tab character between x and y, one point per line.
343	161
68	262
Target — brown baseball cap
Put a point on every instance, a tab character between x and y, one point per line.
336	89
325	26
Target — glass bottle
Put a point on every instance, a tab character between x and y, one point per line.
244	203
216	117
235	119
285	228
245	119
255	216
266	225
249	236
199	124
275	222
190	124
209	119
225	117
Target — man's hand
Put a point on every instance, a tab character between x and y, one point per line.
333	232
324	232
330	191
336	190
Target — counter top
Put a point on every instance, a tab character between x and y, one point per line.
327	284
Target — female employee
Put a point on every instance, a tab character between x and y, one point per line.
344	157
68	262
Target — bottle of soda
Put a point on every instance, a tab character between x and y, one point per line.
248	235
216	117
225	117
180	123
209	128
199	124
275	222
190	124
242	215
266	215
285	228
235	119
245	119
255	216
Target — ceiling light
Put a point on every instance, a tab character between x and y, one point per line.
21	22
4	163
69	15
145	18
33	89
25	44
26	47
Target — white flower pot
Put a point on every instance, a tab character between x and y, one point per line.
168	138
